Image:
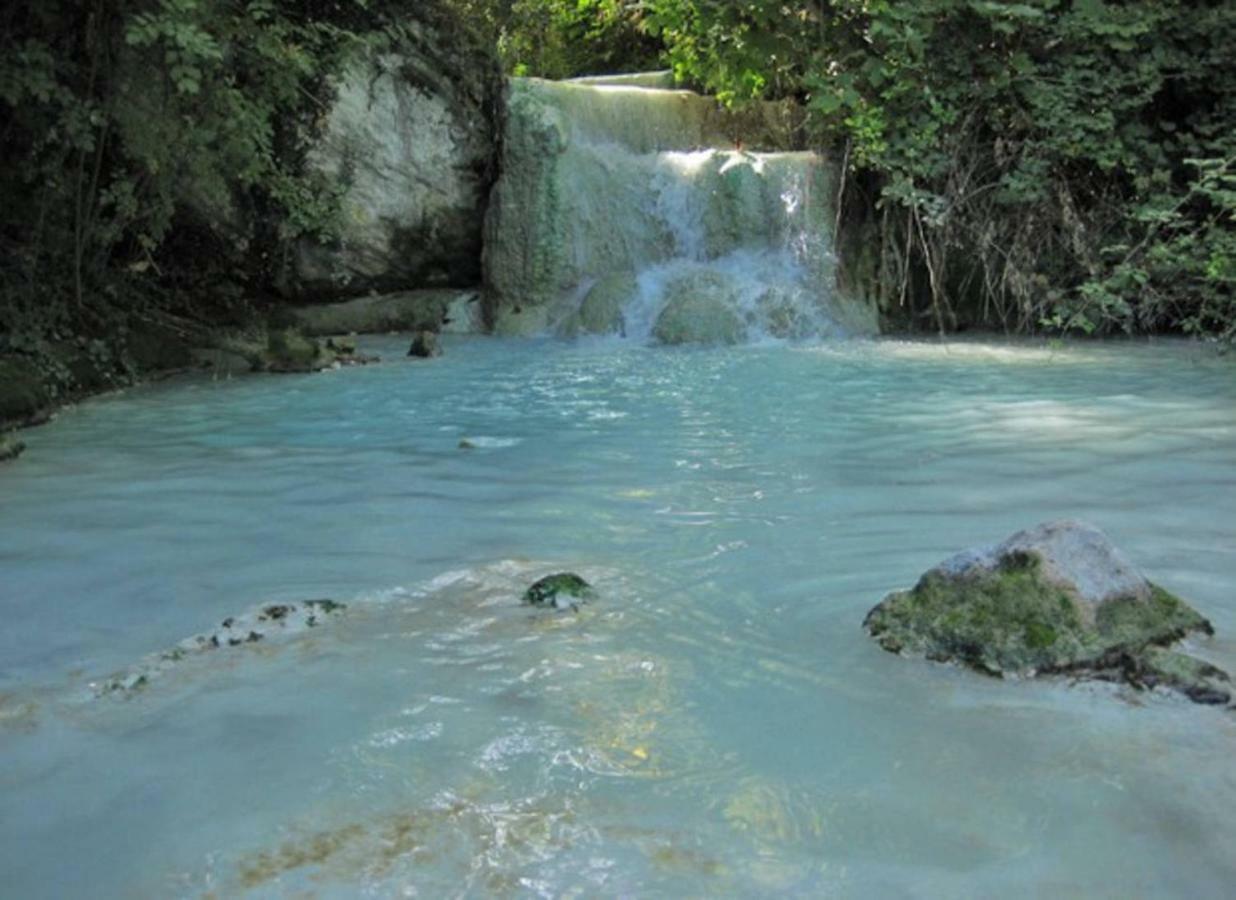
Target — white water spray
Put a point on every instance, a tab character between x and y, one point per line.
635	210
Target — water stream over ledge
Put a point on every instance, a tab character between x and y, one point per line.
716	723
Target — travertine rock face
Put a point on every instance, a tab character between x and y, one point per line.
603	180
410	142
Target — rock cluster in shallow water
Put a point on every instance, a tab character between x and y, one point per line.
1057	598
270	622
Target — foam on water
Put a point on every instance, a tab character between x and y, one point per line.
715	722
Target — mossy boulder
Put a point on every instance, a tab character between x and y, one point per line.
562	590
783	315
701	308
425	345
290	350
10	447
287	350
601	310
1057	598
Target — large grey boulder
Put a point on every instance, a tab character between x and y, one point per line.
410	142
1057	598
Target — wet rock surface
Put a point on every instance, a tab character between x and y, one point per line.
1054	599
701	310
562	590
601	309
272	622
425	345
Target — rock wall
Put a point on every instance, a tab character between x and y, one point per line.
411	140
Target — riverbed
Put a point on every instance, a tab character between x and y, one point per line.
714	723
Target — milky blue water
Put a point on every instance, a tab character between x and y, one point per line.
716	723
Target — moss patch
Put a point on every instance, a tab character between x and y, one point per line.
1010	618
1006	620
552	591
290	351
1132	622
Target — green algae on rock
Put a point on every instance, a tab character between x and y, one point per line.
1058	598
546	591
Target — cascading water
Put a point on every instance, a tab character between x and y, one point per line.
639	211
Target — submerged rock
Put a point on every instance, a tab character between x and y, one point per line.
1057	598
425	345
701	308
269	622
17	714
546	592
10	447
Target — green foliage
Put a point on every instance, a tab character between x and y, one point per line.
565	38
152	146
1036	164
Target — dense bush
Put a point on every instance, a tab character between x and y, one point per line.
565	38
1065	164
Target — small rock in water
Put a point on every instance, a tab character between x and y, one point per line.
546	592
425	345
1057	598
10	447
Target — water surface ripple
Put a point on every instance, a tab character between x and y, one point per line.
715	724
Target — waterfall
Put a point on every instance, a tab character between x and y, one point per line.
646	211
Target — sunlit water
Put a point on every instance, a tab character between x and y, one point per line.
716	723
